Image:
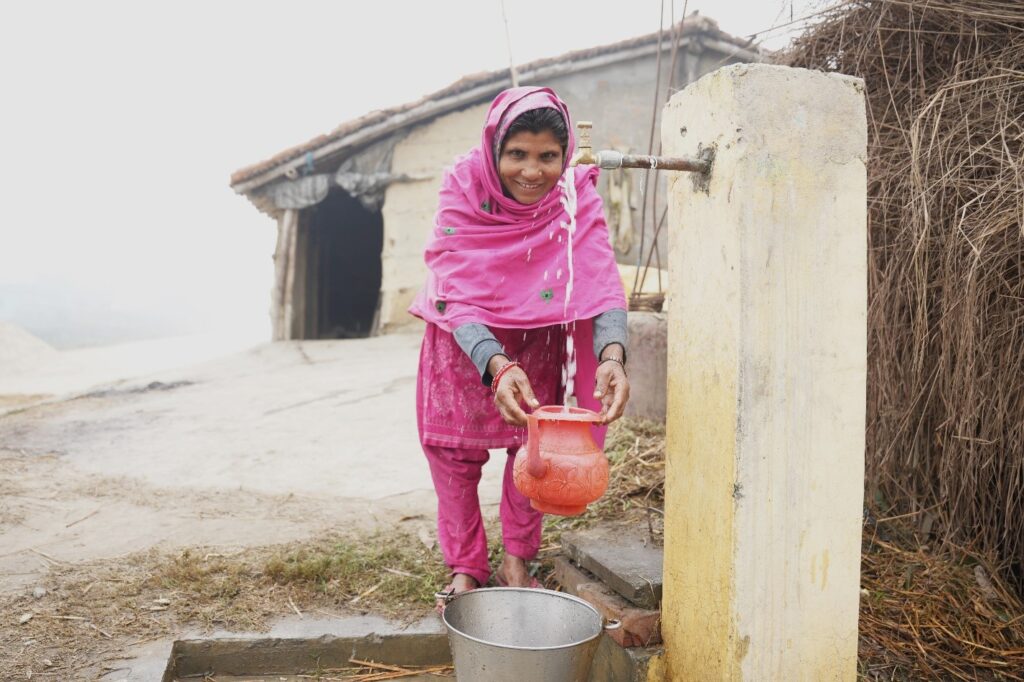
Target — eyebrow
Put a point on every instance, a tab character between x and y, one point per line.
555	149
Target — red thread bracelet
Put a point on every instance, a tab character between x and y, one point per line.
500	373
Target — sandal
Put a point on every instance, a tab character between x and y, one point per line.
445	596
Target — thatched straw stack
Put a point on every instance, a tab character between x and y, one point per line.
945	88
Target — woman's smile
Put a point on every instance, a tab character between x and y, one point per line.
530	165
528	187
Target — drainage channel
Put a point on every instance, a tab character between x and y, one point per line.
423	655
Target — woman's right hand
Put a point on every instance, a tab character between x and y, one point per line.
512	389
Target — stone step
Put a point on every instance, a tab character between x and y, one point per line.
622	558
640	627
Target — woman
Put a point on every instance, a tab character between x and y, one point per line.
522	293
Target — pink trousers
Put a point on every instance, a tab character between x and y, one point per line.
460	526
458	424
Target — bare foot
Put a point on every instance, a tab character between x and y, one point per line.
463	583
513	572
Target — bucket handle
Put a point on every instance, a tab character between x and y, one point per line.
612	624
446	596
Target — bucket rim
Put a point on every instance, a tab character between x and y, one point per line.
563	595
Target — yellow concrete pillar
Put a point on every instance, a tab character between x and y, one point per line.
767	367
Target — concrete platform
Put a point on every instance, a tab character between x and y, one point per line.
191	660
287	658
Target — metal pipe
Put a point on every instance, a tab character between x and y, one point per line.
609	158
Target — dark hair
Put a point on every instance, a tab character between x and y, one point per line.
536	121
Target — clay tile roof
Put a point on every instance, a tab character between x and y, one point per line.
694	25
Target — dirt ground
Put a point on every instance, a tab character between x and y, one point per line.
281	442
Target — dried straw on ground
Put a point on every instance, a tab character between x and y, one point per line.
945	92
934	616
93	613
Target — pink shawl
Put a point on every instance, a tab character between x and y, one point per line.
497	262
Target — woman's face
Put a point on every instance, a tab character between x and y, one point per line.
530	165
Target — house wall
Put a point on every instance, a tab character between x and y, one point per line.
409	207
617	98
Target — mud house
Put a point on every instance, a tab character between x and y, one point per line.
354	206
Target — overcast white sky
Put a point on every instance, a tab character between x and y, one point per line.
121	122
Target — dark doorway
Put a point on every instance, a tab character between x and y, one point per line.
344	270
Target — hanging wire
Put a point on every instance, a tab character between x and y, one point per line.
655	251
790	26
650	149
677	31
508	44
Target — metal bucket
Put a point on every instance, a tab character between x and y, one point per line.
514	634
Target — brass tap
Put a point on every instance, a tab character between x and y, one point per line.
609	158
584	151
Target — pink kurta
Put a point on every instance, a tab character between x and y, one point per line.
455	409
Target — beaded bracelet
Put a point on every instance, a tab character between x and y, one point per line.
500	373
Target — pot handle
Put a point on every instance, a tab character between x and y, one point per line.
535	466
612	624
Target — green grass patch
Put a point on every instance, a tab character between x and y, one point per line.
385	569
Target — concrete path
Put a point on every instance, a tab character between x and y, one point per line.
277	443
31	371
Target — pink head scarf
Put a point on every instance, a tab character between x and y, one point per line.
497	262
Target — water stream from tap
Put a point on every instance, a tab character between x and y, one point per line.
568	185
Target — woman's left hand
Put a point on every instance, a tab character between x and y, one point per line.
612	390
